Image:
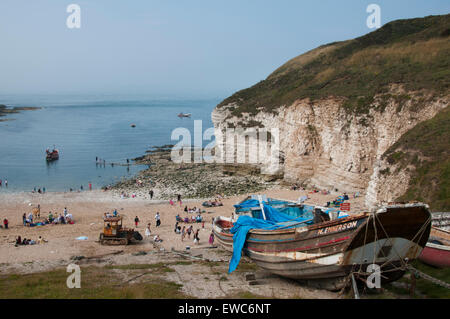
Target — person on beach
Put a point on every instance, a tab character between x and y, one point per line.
0	183
189	230
179	199
211	239
6	183
151	194
43	190
158	219
148	232
24	219
196	237
136	221
5	223
183	233
90	186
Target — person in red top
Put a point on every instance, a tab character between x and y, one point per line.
136	221
90	186
5	223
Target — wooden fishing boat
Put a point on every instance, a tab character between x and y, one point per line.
437	250
325	253
53	155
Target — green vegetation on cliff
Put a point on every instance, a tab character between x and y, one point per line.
414	53
425	151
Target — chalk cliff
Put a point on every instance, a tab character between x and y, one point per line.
340	108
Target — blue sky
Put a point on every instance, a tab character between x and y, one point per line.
179	48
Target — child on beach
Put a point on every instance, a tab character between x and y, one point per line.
148	232
211	239
196	238
136	221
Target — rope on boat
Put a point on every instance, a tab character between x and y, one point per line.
428	277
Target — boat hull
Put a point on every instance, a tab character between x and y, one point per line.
436	255
330	251
437	251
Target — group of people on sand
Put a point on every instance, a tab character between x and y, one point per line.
213	203
34	218
5	182
187	220
124	195
109	215
39	190
188	231
192	210
172	203
25	241
148	231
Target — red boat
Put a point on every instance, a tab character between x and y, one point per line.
437	251
53	155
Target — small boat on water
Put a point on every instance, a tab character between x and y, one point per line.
184	115
53	155
437	251
324	246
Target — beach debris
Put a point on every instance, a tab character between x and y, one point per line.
140	253
250	277
82	238
77	257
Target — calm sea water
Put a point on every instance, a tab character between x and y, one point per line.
83	128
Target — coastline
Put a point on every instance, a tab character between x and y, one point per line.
5	111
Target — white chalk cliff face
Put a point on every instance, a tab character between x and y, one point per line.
324	145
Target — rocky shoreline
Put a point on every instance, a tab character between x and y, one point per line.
4	111
191	180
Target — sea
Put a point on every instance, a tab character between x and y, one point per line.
87	127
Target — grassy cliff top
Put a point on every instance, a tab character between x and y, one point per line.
413	52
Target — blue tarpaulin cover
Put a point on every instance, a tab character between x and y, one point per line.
274	220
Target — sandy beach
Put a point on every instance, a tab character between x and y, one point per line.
88	208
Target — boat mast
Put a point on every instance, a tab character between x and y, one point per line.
261	205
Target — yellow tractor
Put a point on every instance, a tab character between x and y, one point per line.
115	234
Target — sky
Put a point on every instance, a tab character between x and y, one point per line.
173	48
